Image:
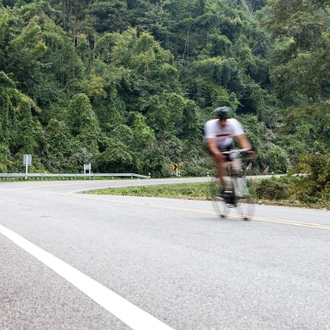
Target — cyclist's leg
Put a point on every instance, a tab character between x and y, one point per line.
221	171
226	169
225	178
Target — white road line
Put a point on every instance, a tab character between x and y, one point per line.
128	313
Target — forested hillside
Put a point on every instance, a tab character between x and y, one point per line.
128	85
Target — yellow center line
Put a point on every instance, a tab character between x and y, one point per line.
293	223
184	209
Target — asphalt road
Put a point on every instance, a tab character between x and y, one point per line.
77	261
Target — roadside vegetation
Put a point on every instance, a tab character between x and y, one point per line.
273	191
306	185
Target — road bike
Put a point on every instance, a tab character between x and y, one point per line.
236	195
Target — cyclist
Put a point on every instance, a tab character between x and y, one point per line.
219	135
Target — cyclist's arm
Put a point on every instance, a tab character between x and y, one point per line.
243	141
212	145
245	144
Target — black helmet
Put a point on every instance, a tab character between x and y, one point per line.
223	112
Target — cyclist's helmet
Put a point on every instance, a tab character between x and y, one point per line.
223	112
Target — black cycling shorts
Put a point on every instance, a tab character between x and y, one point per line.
227	148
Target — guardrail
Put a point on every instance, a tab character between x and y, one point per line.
60	176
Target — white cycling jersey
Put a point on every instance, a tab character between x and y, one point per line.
224	134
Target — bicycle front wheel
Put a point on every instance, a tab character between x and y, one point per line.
219	205
245	208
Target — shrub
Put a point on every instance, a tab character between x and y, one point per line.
272	189
315	183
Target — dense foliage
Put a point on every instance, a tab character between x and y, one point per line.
128	85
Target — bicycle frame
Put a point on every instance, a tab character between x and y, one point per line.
236	176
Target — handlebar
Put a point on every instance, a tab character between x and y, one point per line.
236	151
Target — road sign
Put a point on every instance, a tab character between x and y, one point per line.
27	160
175	167
87	167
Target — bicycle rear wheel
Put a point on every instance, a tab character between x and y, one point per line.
220	207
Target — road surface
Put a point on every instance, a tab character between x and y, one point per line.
76	261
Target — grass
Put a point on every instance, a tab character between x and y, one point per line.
198	191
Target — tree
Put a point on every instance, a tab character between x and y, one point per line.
26	49
301	55
84	78
59	146
116	158
17	125
105	16
84	128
